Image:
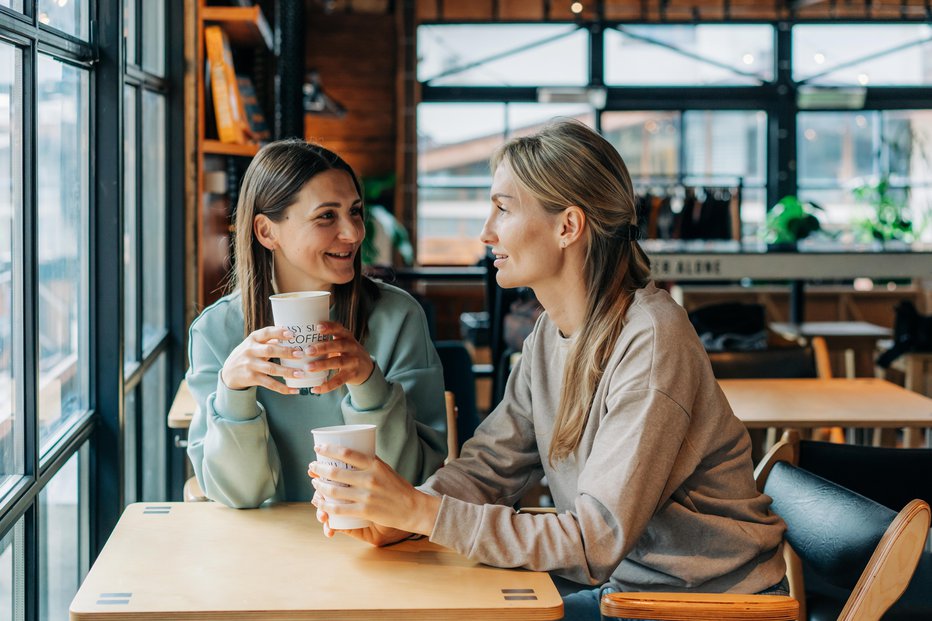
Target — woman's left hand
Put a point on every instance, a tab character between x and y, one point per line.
344	354
374	491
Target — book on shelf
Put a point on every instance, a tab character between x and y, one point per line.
255	119
232	126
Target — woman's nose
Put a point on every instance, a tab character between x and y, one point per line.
487	235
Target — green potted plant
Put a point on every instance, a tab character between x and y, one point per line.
789	221
888	218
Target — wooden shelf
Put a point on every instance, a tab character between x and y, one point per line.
246	26
216	147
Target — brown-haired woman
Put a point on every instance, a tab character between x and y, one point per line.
613	400
299	226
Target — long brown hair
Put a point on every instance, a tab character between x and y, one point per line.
271	185
566	164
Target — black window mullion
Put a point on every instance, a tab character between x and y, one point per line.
107	277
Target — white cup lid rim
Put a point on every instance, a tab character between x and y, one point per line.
298	295
343	428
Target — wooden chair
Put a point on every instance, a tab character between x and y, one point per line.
193	492
889	476
851	541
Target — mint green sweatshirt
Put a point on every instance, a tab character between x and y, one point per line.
249	446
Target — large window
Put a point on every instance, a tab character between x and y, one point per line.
85	249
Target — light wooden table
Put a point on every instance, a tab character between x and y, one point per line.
182	408
808	403
205	561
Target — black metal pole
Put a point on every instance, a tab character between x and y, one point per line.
289	103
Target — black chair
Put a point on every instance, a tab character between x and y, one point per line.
458	378
850	541
889	476
777	363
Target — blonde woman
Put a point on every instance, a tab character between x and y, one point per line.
299	227
613	400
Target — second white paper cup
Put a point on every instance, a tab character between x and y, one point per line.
300	312
357	437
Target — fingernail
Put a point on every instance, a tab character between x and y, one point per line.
288	334
299	373
297	352
310	351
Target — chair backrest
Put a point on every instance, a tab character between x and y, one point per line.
890	476
458	378
783	363
849	541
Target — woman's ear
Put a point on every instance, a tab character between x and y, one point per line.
572	225
264	230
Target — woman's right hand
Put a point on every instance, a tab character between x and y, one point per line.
250	363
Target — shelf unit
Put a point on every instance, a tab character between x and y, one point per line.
218	165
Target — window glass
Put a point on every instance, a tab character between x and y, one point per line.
130	447
129	29
503	55
70	16
862	54
647	141
454	145
858	165
59	542
12	573
16	5
725	144
130	240
704	55
154	431
153	37
525	118
62	239
154	256
11	132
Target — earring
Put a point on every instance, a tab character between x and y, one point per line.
563	244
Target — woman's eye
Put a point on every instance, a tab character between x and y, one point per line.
501	208
327	215
356	211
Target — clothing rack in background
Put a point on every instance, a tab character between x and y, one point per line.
689	206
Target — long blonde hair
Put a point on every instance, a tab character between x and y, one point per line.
271	185
566	164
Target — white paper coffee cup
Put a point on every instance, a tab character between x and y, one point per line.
357	437
301	312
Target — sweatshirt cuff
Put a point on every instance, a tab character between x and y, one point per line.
236	405
457	524
372	393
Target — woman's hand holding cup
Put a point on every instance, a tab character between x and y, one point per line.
342	354
250	364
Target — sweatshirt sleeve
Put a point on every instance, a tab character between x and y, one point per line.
405	399
229	444
617	498
501	461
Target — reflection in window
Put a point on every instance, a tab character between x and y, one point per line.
130	447
62	240
59	542
502	55
12	573
16	5
129	29
11	132
844	157
647	141
130	239
155	266
705	55
69	16
862	54
455	142
153	37
154	431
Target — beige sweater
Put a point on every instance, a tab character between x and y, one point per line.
659	495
